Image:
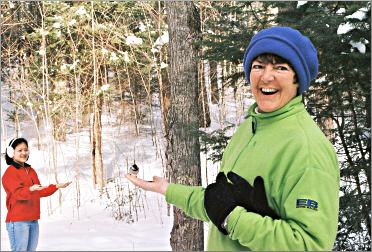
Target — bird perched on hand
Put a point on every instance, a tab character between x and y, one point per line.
134	169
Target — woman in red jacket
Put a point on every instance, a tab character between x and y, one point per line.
23	193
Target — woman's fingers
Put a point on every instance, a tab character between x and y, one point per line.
159	185
156	178
68	183
63	185
139	182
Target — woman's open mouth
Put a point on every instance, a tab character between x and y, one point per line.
269	91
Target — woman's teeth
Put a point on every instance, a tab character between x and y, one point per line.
268	91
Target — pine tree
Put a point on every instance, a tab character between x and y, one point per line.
229	30
340	102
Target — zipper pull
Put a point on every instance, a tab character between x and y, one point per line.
254	125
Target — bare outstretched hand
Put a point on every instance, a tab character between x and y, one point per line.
63	185
159	184
37	188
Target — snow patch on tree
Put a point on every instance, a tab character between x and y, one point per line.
133	40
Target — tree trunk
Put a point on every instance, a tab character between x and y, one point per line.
213	82
326	122
97	139
221	94
183	142
96	135
205	118
93	149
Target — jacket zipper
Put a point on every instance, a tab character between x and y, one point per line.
254	124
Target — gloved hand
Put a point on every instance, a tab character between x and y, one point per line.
253	199
219	201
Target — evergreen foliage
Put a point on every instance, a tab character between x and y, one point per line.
213	144
339	100
341	104
227	32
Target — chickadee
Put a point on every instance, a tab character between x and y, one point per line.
134	169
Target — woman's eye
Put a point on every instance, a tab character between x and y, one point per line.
256	66
282	68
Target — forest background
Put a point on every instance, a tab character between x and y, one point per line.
65	65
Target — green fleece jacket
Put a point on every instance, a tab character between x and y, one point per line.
300	169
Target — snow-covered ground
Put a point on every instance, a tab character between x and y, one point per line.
91	226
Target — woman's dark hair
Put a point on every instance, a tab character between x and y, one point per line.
16	142
266	58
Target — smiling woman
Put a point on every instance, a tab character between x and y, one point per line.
292	48
23	193
273	82
279	181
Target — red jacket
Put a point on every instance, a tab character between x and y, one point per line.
22	204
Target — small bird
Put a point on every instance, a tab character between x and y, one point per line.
134	169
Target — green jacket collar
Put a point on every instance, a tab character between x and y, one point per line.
291	108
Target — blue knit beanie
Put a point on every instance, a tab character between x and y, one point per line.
289	44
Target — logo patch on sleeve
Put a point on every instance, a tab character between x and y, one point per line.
307	203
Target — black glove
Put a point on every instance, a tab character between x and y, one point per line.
253	199
219	201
